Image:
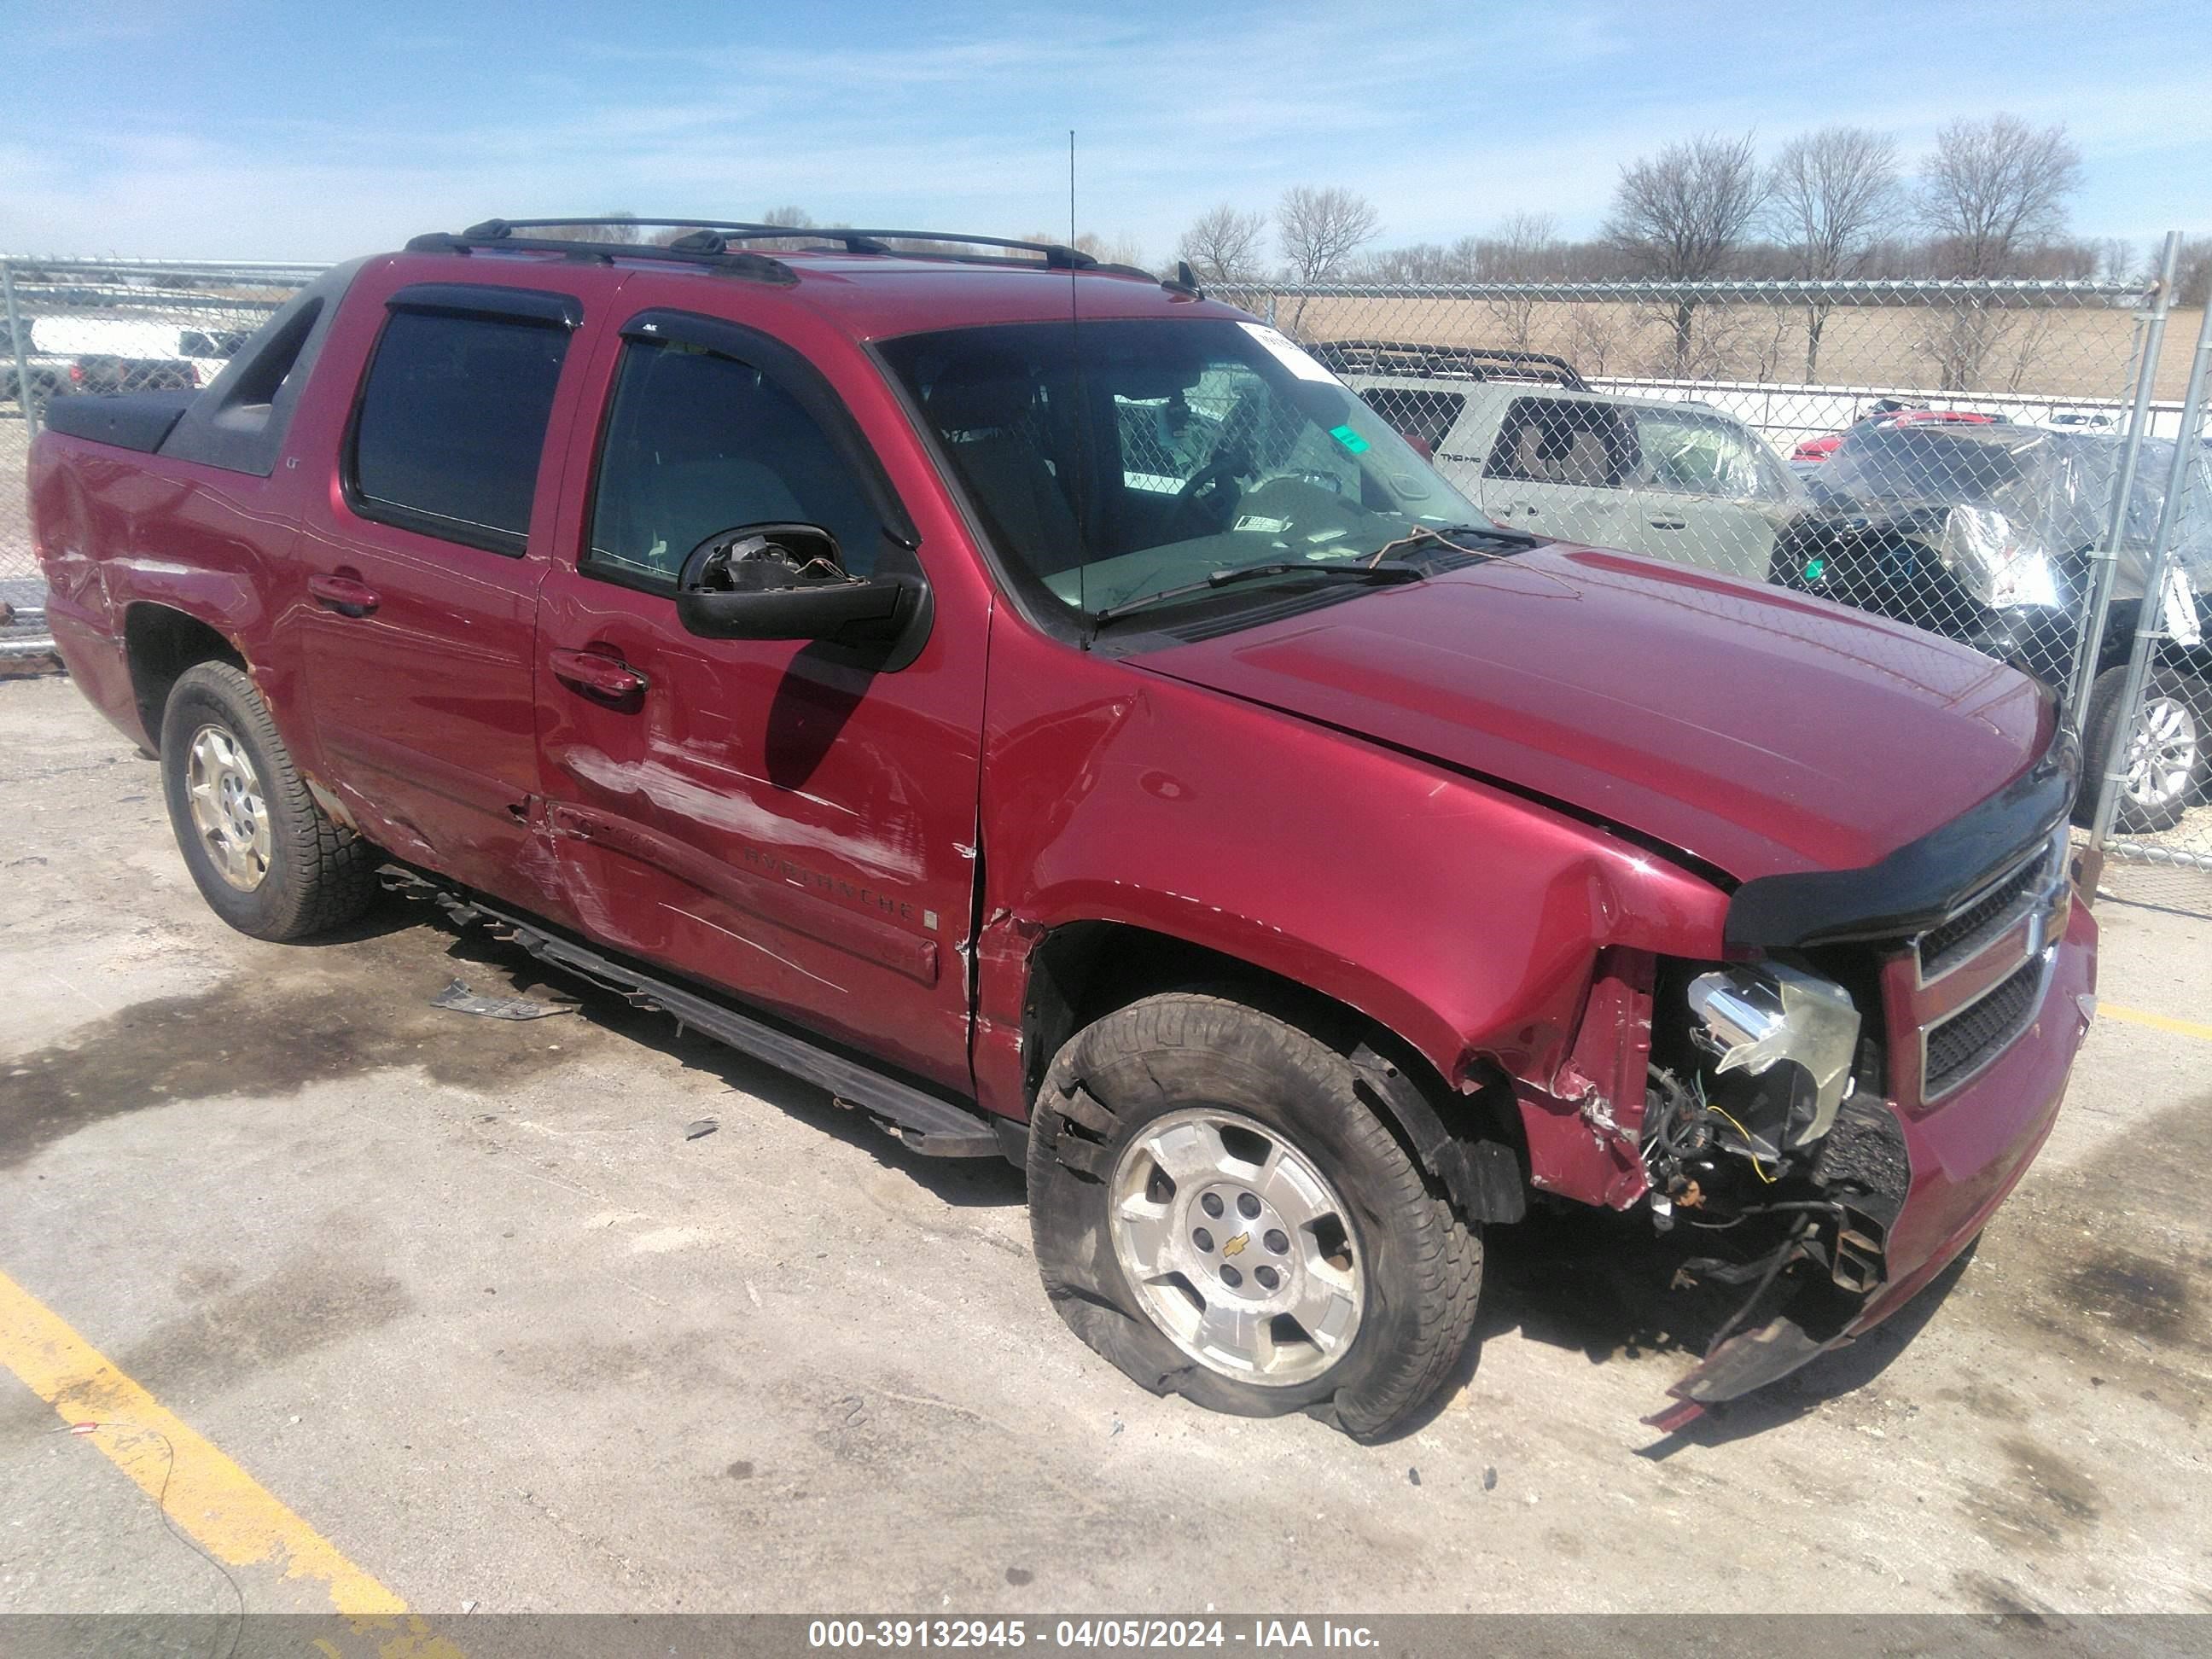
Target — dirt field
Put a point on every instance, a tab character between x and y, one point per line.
465	1298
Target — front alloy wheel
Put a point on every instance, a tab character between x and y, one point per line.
2162	755
1220	1211
2165	764
1238	1247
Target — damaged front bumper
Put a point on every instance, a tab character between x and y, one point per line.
1961	1157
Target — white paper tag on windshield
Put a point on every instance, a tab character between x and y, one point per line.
1287	352
2182	626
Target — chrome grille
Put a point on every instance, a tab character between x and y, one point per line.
1989	917
1978	974
1961	1045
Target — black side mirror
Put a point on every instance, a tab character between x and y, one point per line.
788	581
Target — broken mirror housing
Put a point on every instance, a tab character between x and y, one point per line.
1751	1018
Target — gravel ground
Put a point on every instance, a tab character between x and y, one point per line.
462	1294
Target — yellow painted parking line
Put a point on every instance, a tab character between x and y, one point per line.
2188	1028
223	1508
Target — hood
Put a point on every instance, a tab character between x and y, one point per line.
1763	732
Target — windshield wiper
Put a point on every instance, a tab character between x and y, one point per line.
1379	575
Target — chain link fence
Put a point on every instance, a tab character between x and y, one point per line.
73	328
2149	722
1989	461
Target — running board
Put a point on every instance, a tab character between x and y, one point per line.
928	1123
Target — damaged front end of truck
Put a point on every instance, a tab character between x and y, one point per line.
1840	1104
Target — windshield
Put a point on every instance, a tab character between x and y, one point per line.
1183	448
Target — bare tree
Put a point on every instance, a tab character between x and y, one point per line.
1993	200
1120	250
797	218
2192	273
1524	249
1680	215
1319	230
1323	228
1831	196
1423	262
1223	244
591	233
2116	259
1601	334
1996	190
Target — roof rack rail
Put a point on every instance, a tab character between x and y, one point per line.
499	234
1414	359
712	240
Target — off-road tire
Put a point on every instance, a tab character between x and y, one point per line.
1422	1262
321	875
2133	818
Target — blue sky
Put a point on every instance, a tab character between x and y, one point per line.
312	131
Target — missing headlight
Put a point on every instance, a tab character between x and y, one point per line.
1781	1042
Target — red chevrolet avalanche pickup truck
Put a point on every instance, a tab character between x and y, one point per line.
1046	708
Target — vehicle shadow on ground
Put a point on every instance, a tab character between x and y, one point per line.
496	968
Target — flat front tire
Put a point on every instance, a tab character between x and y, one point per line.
267	858
1218	1211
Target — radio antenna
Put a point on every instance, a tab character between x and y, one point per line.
1082	409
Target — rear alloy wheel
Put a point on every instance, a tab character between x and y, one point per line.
267	858
230	814
2166	759
1219	1209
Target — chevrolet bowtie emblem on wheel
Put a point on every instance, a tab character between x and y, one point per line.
1235	1246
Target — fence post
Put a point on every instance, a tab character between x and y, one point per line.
2150	624
2104	561
15	339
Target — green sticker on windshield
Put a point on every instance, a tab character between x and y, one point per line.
1350	439
1814	569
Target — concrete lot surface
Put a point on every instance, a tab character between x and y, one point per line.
460	1298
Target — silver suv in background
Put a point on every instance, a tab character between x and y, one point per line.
1524	435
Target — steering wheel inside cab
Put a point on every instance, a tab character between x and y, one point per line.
1207	504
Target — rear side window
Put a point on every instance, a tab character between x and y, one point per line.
1561	441
1427	418
699	442
451	424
